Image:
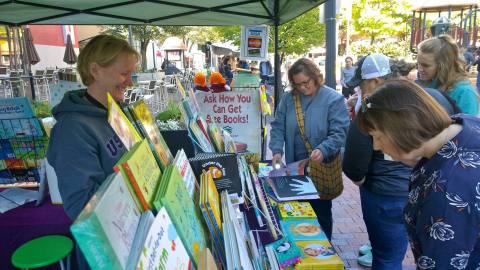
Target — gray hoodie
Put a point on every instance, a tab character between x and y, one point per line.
83	149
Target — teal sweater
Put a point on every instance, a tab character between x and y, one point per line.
464	94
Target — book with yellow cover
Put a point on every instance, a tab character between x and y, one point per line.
121	125
318	255
150	130
296	210
143	173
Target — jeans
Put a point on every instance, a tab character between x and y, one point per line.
323	210
383	216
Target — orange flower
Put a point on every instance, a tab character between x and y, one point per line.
216	78
200	79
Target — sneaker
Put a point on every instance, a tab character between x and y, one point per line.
365	260
367	248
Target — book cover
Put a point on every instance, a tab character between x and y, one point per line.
15	108
121	125
143	173
202	124
200	138
206	261
308	229
290	188
163	248
173	195
229	143
181	89
105	229
216	138
318	254
185	170
6	150
286	252
292	169
295	210
224	170
145	119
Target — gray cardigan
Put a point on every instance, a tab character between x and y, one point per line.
326	124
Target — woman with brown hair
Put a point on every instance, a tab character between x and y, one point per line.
311	122
442	215
440	67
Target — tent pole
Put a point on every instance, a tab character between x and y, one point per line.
330	63
9	41
276	61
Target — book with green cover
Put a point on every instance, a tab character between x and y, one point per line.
150	131
143	173
105	229
121	125
216	137
173	195
286	252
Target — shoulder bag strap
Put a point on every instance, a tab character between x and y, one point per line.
301	122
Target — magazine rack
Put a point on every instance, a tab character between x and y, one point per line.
23	144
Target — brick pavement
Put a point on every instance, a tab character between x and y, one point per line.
349	232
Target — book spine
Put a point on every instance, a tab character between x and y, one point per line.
216	235
134	184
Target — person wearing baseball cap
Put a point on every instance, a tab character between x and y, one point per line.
383	182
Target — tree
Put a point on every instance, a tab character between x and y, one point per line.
143	33
379	18
297	36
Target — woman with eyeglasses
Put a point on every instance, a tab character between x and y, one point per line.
440	67
325	120
442	215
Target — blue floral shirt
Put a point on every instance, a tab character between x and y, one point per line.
443	211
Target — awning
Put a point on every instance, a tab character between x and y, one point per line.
153	12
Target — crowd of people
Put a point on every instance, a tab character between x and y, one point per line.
411	143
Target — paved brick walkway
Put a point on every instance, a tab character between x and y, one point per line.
349	232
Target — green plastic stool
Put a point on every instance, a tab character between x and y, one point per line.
43	251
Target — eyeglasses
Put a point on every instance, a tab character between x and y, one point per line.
304	84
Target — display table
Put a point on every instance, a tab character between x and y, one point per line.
28	221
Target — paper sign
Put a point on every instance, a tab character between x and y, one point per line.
254	43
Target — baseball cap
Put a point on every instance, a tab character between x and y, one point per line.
374	65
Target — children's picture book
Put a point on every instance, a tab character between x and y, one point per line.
186	217
105	229
295	210
216	138
291	188
121	125
318	255
229	143
209	203
185	170
142	172
150	131
224	170
307	229
286	252
199	138
163	249
15	108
